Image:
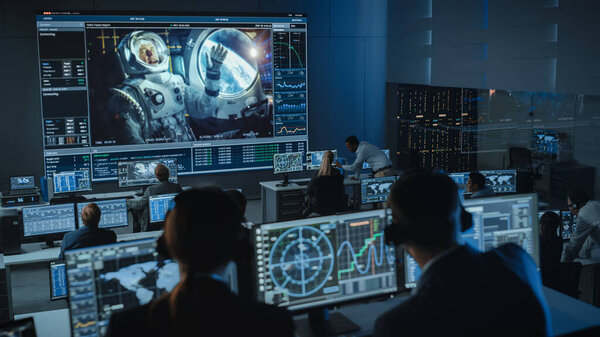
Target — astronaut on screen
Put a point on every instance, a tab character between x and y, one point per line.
152	103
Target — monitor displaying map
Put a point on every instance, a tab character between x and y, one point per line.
111	278
501	181
376	190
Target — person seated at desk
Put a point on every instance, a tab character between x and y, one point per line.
164	186
89	234
586	225
476	185
201	234
325	191
242	202
551	246
461	291
371	154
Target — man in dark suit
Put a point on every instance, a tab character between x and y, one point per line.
89	234
461	291
164	186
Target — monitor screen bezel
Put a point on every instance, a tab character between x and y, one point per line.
22	189
301	167
363	202
305	307
45	236
50	265
78	213
313	167
158	196
75	191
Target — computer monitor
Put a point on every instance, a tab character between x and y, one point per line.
545	141
374	190
18	328
71	181
48	220
314	159
367	166
22	183
113	213
141	172
115	277
568	224
324	261
496	221
501	181
58	280
158	205
287	162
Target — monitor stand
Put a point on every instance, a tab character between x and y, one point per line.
321	323
49	244
285	181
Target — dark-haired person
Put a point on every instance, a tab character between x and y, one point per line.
461	291
587	223
476	185
164	186
551	247
89	234
370	154
201	234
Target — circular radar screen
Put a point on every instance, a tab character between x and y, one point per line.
301	261
284	163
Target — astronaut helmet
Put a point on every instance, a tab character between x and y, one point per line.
142	52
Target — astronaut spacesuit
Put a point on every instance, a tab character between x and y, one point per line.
152	103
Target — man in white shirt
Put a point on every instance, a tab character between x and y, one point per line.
587	223
369	153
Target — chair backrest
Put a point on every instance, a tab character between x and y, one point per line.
329	195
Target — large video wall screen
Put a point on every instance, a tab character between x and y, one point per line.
216	93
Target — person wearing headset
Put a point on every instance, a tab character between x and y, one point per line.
587	224
461	290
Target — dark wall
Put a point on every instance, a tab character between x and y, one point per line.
346	78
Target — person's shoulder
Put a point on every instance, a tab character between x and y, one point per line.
398	320
591	209
280	319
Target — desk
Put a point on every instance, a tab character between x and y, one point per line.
568	315
281	203
28	284
589	281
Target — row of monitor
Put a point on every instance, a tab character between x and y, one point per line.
300	264
292	161
59	219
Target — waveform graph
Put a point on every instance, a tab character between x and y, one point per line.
302	260
291	85
362	251
290	124
289	50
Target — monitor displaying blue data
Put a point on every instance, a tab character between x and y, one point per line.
141	172
113	213
501	181
287	162
324	261
47	220
376	190
496	221
568	224
159	205
106	279
367	166
544	141
22	183
58	280
71	181
314	159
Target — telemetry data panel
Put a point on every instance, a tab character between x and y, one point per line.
324	261
496	221
376	190
113	213
111	278
58	280
141	172
159	205
72	181
43	220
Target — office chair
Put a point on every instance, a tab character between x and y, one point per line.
329	196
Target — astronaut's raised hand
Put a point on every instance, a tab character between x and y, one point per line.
216	57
